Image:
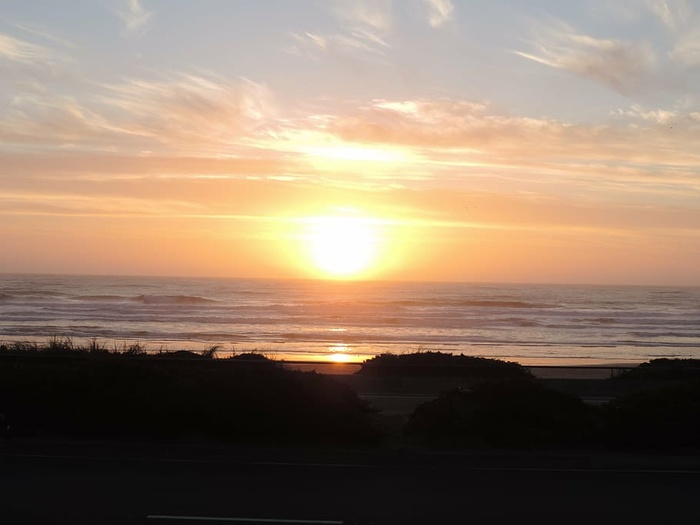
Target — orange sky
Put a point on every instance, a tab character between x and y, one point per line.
561	148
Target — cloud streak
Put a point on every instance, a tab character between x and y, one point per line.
363	31
683	24
674	14
427	141
374	14
45	35
355	41
135	17
462	142
187	112
365	28
439	12
16	50
619	64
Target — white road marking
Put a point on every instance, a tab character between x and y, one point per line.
239	520
190	461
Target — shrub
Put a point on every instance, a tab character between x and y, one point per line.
660	419
180	354
507	414
439	364
113	396
665	370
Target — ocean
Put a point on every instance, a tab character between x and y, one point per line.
352	321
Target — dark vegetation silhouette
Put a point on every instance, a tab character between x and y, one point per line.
439	364
658	411
664	370
514	414
658	419
184	395
59	389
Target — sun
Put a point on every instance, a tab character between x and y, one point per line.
342	246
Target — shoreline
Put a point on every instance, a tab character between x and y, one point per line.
356	353
342	362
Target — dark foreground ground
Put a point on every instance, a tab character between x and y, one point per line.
74	483
131	472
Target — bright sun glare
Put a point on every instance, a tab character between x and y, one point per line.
342	246
359	153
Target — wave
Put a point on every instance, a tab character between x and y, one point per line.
103	298
173	299
600	320
39	293
146	299
461	303
666	334
524	323
421	303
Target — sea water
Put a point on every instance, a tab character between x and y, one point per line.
326	320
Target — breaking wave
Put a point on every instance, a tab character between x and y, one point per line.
173	299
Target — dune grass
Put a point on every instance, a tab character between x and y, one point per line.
180	395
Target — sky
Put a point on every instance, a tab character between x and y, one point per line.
442	140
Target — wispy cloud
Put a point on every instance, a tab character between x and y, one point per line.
439	12
687	49
17	50
375	14
658	116
364	27
683	23
189	112
134	16
458	140
188	108
40	120
30	67
309	42
45	34
315	45
673	14
616	63
367	22
81	205
208	116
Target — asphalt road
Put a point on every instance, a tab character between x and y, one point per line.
106	486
